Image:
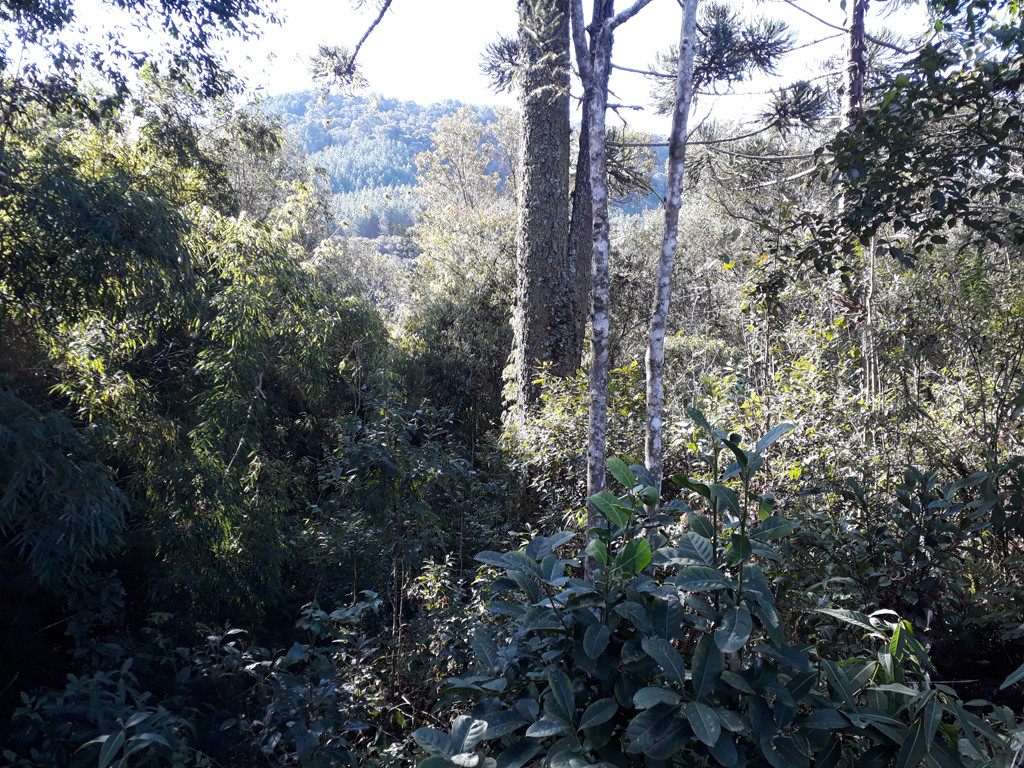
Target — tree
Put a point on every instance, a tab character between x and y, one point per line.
594	61
545	308
663	278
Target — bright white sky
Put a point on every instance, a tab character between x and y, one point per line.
430	50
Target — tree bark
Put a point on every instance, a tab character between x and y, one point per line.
594	62
670	231
853	93
545	283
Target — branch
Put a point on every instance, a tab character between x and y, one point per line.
629	13
870	38
806	156
580	44
795	176
383	9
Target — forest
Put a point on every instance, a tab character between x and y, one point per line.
337	430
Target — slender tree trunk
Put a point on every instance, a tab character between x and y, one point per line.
581	230
594	62
581	240
663	280
853	92
601	42
545	288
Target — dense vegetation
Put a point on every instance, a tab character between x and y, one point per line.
263	500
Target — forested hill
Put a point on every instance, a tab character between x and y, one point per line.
368	147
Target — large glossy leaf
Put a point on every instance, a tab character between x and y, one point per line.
704	721
562	694
735	630
434	742
851	617
518	754
656	733
700	420
701	578
467	732
545	727
707	667
668	658
485	649
597	550
651	695
773	528
771	436
633	557
701	524
601	711
724	751
1014	677
595	640
914	746
608	504
503	723
621	472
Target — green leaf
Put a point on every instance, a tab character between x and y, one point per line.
700	420
633	557
914	747
503	723
109	749
851	617
771	436
701	578
735	630
772	528
668	658
518	754
484	649
467	759
434	742
739	550
597	550
765	505
608	505
707	667
601	711
655	733
621	472
704	721
1014	677
434	761
561	690
651	695
595	640
724	751
701	524
545	727
466	733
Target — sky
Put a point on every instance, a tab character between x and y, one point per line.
430	50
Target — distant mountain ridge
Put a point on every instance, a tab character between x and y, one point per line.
368	145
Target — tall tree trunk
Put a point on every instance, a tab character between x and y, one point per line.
594	62
663	279
581	230
545	286
853	92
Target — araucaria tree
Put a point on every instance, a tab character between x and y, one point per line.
546	301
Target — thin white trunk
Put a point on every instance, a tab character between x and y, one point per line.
593	63
659	314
